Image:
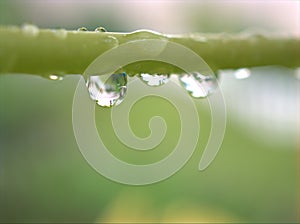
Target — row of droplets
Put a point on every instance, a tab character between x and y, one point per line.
110	90
33	30
98	29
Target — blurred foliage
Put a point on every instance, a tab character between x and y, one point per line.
45	178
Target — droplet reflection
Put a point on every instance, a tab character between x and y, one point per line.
154	80
197	85
56	77
242	73
107	90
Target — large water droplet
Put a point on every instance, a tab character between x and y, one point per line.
197	85
107	90
242	73
154	80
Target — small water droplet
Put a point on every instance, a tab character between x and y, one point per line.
197	85
56	77
100	29
30	30
61	33
107	90
111	40
82	29
242	73
154	80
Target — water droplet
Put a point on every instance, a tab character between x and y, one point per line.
30	30
107	90
61	33
242	73
108	42
100	29
56	77
197	85
145	33
154	80
82	29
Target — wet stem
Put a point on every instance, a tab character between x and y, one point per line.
44	51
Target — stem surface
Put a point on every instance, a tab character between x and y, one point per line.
31	50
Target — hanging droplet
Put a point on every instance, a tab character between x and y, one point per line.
56	77
242	73
154	80
197	85
100	29
107	90
82	29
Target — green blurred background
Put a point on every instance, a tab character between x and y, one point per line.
44	177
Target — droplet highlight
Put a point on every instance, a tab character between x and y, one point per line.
198	85
154	80
30	30
107	90
56	77
242	73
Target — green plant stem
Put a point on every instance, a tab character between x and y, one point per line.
44	51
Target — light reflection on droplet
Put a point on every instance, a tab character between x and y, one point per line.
56	77
242	73
30	30
154	80
197	85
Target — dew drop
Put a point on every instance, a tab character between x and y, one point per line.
111	40
242	73
154	80
56	77
82	29
30	30
107	90
197	85
100	29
